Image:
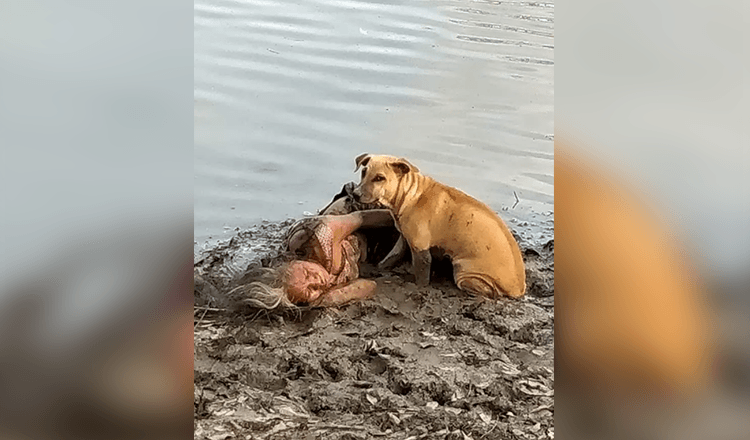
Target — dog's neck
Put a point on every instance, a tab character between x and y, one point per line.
407	193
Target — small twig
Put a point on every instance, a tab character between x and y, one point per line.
517	200
332	426
541	408
491	429
210	309
202	316
279	419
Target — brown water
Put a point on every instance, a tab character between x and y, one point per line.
288	93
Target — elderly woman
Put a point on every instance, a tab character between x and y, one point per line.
328	250
331	251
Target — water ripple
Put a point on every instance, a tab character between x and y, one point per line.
502	27
501	41
288	93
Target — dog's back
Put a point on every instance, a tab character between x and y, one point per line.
469	231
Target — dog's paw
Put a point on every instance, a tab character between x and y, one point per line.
422	281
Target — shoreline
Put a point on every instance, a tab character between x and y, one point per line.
535	232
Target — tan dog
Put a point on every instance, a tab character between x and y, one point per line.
486	258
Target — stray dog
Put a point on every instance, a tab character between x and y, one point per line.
486	258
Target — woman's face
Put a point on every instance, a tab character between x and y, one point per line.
305	281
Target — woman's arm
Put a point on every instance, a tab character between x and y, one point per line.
356	290
336	229
344	225
375	218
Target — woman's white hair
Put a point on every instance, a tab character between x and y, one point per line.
266	293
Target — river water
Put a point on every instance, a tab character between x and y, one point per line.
288	93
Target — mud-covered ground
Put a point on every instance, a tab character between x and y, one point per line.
410	363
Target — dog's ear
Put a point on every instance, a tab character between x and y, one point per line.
403	166
361	161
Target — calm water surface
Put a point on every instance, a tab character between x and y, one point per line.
288	93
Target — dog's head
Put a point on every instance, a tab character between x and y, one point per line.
380	177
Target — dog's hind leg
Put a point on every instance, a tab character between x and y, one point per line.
478	284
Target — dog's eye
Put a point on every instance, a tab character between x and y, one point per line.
378	178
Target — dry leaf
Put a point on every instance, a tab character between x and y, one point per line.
486	418
534	388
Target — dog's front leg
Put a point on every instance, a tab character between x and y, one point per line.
395	255
421	264
419	243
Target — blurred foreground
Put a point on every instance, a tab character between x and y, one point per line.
96	341
96	223
652	202
644	347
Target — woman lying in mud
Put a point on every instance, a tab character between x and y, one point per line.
326	272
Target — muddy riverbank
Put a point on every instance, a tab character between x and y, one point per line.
416	363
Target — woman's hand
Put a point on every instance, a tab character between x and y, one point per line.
356	290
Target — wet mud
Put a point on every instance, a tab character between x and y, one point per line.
410	363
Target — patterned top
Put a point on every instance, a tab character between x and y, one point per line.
320	247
